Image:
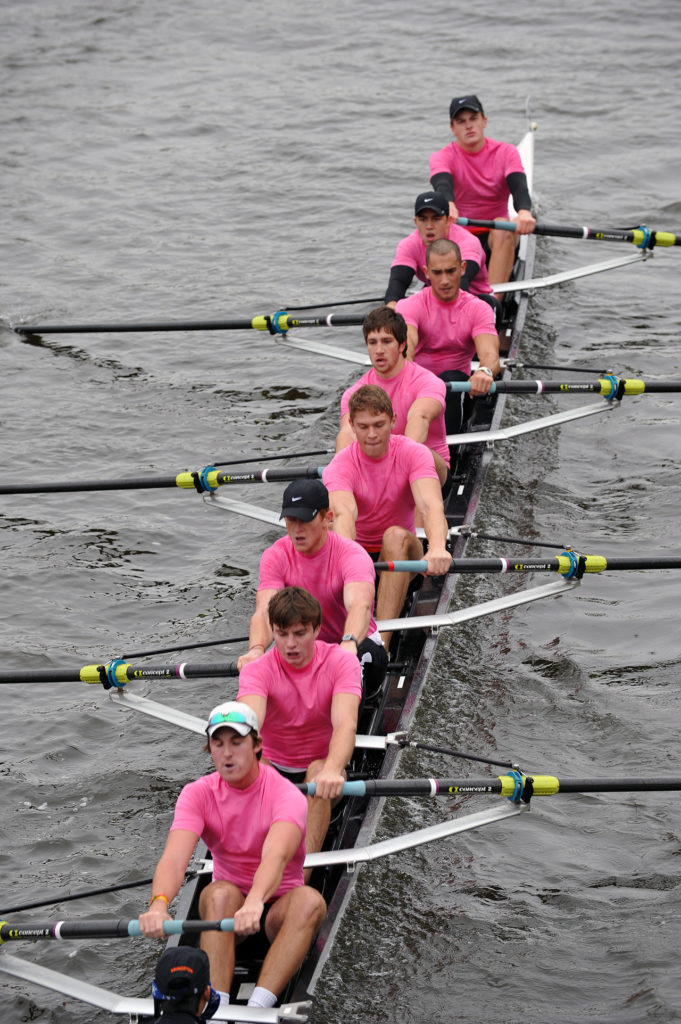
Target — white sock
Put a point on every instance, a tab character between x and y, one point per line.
262	997
224	996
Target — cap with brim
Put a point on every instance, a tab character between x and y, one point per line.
181	972
233	715
303	499
432	201
465	103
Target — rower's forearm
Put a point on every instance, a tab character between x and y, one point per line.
417	428
259	633
167	880
341	747
344	524
436	529
357	620
268	876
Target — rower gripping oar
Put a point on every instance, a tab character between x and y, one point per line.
569	564
204	480
516	786
117	674
643	237
609	386
105	929
276	323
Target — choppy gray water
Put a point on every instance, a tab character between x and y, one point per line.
162	160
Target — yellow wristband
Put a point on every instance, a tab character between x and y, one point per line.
159	896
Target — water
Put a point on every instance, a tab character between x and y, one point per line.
218	160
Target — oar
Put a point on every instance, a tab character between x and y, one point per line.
207	479
643	237
85	893
569	564
515	786
199	643
276	323
609	387
105	929
118	673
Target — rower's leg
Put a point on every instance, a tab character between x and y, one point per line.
218	900
398	545
502	255
291	925
318	818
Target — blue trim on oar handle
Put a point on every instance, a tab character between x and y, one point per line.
500	225
357	788
459	387
181	927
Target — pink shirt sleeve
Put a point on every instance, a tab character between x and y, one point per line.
337	476
191	809
271	569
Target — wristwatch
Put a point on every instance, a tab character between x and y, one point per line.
349	636
486	369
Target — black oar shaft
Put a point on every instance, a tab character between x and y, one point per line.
275	323
119	673
643	237
187	481
567	564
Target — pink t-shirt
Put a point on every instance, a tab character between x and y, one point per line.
297	728
381	487
403	389
323	574
411	252
446	329
480	189
234	823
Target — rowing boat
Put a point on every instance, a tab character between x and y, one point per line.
387	715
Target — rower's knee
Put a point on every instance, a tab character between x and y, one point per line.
220	899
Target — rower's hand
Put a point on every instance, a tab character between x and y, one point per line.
453	212
247	917
151	923
439	561
524	223
329	783
249	656
480	383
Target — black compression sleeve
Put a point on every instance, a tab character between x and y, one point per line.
517	184
472	269
443	182
400	279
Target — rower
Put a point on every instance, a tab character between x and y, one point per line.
253	821
306	696
375	485
478	175
417	395
433	221
181	988
446	327
337	571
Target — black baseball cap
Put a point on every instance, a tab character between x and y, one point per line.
432	201
182	972
303	499
465	103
